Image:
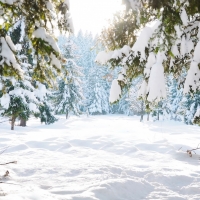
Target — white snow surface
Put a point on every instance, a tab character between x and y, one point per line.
143	90
197	114
184	17
100	158
67	3
178	31
111	157
115	91
5	100
10	43
175	50
54	61
196	52
150	62
135	4
103	57
41	91
198	35
183	46
142	41
192	79
8	55
156	85
50	6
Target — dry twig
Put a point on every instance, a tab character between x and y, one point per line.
13	162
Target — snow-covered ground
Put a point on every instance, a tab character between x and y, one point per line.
111	157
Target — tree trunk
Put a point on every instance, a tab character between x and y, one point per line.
13	122
148	116
67	114
158	115
142	111
22	122
141	117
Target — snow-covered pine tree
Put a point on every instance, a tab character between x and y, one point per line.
137	105
40	22
174	98
97	92
123	106
69	96
83	59
46	113
22	96
21	102
188	107
165	46
95	79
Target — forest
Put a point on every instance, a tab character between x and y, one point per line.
107	116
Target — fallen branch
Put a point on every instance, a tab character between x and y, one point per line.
13	162
192	150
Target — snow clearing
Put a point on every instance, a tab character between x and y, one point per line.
113	157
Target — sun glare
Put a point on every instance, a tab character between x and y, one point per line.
93	15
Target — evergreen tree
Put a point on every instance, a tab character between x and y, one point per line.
188	107
137	105
45	114
97	92
39	23
21	102
68	97
168	46
22	96
174	98
18	102
19	80
124	105
95	83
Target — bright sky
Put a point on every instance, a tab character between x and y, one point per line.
92	15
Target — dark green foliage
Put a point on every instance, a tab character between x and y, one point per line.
36	15
45	114
17	108
133	19
16	34
23	101
196	120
